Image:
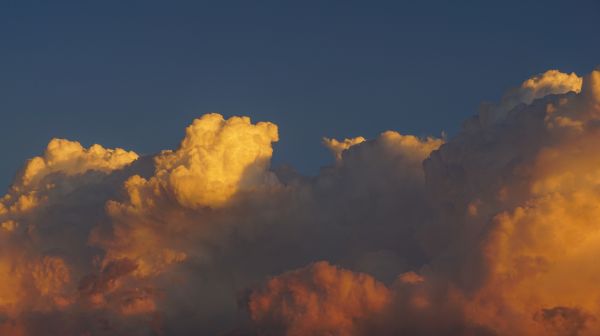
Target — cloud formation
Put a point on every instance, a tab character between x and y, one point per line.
492	232
318	300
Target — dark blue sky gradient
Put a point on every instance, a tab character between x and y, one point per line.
135	73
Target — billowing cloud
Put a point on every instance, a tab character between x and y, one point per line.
216	158
338	147
550	82
318	300
493	232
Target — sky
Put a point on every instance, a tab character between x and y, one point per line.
133	73
442	178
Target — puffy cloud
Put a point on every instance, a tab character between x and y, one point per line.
216	159
61	158
490	233
161	234
523	194
513	224
322	299
317	300
539	86
70	158
45	219
338	147
536	257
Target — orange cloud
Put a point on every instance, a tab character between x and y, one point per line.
492	232
318	300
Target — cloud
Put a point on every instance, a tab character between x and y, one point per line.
338	147
492	232
317	300
216	158
539	86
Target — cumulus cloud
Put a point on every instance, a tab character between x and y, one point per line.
45	219
338	147
492	232
318	300
216	158
549	83
62	157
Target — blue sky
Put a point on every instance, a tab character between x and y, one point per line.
133	74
